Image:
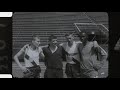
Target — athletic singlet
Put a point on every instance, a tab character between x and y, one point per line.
73	51
31	55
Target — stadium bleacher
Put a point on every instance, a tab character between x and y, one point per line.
25	24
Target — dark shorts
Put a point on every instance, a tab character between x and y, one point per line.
72	70
33	72
53	73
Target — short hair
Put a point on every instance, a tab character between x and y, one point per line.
68	34
52	37
35	36
83	34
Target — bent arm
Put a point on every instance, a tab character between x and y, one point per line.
103	53
42	56
16	57
64	53
100	51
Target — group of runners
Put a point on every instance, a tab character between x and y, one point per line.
84	58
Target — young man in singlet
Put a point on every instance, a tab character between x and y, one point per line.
32	53
73	59
92	57
54	55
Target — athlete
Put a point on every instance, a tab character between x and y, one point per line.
32	53
73	59
92	57
54	56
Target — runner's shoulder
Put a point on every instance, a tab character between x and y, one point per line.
44	47
78	42
25	46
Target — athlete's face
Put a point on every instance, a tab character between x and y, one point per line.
36	42
83	37
53	42
69	38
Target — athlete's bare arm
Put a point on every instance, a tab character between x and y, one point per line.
42	56
101	51
16	58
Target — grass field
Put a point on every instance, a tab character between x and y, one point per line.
16	72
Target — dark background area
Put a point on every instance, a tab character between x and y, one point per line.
6	53
114	56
